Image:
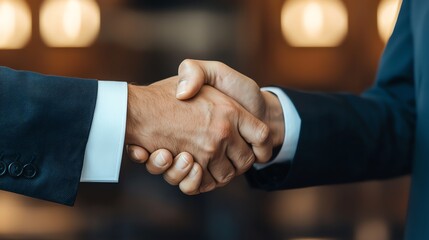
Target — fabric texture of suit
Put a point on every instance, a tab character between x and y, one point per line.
381	134
44	127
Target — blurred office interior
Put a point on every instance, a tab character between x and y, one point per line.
317	45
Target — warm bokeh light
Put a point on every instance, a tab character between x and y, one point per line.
387	14
69	23
15	24
19	219
314	23
376	229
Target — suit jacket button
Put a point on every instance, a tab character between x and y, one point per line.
15	169
29	171
2	168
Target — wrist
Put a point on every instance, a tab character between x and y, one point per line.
137	112
274	118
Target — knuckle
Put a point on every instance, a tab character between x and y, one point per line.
209	151
219	64
248	162
186	62
226	178
224	131
264	133
254	86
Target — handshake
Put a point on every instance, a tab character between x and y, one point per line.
203	127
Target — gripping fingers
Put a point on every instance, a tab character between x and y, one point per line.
241	155
181	167
159	161
222	170
256	133
208	183
191	184
137	154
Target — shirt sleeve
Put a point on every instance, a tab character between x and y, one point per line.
103	154
292	129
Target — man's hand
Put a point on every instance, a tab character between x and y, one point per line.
194	74
211	126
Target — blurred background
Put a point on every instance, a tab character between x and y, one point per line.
323	45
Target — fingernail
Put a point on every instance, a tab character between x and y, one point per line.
133	154
194	171
181	88
137	154
160	160
182	163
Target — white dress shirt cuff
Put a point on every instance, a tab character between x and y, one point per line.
103	152
292	129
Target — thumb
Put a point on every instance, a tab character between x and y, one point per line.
191	79
193	74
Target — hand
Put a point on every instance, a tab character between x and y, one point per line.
194	74
211	126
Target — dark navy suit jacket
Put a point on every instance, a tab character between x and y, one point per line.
381	134
44	128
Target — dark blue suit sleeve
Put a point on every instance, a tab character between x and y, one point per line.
44	128
347	138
